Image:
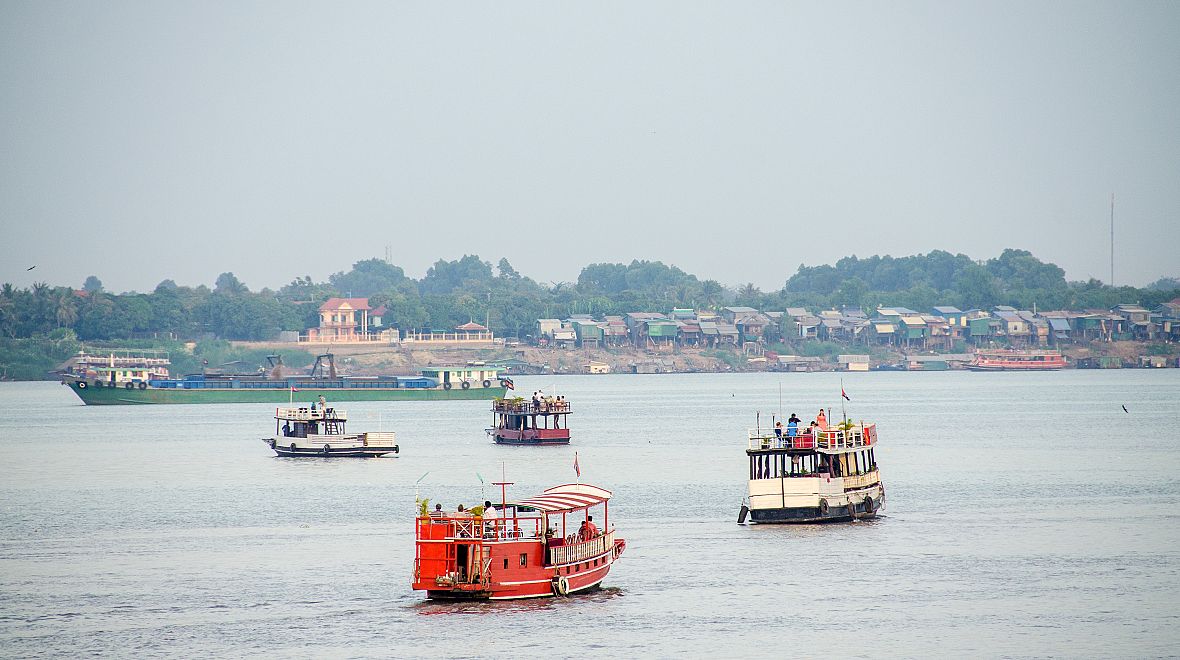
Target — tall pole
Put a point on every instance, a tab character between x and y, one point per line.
1112	240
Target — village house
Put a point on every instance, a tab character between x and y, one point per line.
469	334
340	323
1137	321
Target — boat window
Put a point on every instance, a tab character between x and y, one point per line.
524	559
505	563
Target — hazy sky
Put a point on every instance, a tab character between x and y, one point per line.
149	140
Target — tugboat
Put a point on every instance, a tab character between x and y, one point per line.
547	545
542	421
308	431
824	474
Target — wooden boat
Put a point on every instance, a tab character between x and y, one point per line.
824	476
1017	361
533	548
522	422
311	431
146	380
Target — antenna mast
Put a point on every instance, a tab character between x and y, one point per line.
1112	240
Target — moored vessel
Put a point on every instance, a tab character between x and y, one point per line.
1014	360
546	545
820	475
541	421
139	383
312	431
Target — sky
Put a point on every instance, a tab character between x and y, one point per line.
143	141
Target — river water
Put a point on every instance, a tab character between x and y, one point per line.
1028	515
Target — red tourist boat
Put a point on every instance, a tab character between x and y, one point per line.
542	421
546	545
1017	361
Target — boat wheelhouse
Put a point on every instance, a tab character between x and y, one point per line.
825	475
1002	360
311	431
547	545
543	421
96	387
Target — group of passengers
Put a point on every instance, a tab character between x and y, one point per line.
791	437
542	403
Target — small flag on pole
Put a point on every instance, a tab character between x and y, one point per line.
577	469
843	394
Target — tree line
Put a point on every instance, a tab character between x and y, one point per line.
470	289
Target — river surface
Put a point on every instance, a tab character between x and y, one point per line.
1027	515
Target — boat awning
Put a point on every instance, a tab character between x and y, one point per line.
570	497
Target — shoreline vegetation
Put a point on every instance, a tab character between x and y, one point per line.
231	328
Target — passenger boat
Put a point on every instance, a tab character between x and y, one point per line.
1011	360
532	548
308	431
136	381
540	422
825	476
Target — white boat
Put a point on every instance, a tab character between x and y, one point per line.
308	431
828	475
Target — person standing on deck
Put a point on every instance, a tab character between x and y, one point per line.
821	420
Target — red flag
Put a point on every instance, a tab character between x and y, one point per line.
577	470
843	394
294	389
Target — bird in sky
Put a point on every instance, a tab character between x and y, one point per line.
29	268
1125	409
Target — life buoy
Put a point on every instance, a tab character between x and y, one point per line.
487	383
396	449
98	384
446	386
128	386
823	507
142	385
327	449
561	586
81	384
869	504
466	385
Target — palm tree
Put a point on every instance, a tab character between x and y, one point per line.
66	306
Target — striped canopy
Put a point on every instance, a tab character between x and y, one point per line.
569	497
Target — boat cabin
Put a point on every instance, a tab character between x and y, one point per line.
309	421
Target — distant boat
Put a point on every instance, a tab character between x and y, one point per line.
522	422
308	431
1014	360
137	377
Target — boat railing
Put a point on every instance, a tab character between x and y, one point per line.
526	407
581	550
488	529
855	437
304	414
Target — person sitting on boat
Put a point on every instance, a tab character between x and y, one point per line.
438	512
583	532
591	527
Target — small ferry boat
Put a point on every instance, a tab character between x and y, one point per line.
1012	360
547	545
543	421
139	379
311	431
827	475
